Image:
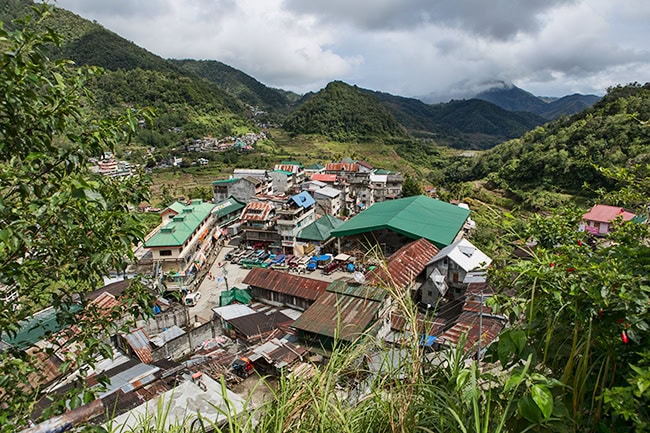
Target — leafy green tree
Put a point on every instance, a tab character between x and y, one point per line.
411	187
62	228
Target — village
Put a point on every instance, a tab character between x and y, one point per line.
266	279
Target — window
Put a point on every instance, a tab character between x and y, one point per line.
430	293
164	253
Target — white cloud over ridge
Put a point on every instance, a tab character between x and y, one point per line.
415	48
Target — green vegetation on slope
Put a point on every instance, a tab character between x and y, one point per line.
345	113
564	155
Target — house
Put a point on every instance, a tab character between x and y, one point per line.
228	212
346	311
242	189
284	182
341	169
386	186
293	167
446	271
599	218
292	216
283	289
331	201
180	246
258	221
314	168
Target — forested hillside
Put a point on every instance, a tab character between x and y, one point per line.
565	155
343	112
462	124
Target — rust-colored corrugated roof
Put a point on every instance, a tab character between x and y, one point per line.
105	302
139	342
283	282
350	287
322	177
352	316
341	166
604	213
468	324
257	211
403	267
259	324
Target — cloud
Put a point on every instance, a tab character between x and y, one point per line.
413	48
500	19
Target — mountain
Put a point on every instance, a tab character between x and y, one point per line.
343	112
512	98
236	82
464	124
565	154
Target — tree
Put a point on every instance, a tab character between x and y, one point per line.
411	187
62	228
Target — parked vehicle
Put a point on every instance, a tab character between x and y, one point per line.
243	367
191	299
331	268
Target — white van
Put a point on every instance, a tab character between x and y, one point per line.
191	299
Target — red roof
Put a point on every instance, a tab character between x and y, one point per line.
283	282
341	166
322	177
604	213
404	265
257	211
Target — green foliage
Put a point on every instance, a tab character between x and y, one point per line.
569	154
62	227
345	113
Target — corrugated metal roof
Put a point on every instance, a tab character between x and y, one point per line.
257	211
167	335
139	342
323	177
415	217
283	282
105	302
352	316
233	311
259	324
341	166
465	255
328	192
425	325
403	266
227	206
468	324
604	213
356	290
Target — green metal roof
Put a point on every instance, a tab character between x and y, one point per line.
315	167
228	206
181	227
298	163
39	326
227	297
288	173
176	207
321	229
223	181
381	171
415	217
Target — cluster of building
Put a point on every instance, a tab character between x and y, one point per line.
282	322
108	165
244	143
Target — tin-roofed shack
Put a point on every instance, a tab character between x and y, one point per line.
281	288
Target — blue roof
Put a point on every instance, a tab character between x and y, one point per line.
427	341
304	199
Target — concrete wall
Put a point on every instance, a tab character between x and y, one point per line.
183	345
176	315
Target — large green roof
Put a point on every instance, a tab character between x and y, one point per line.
321	229
39	326
224	181
181	227
415	217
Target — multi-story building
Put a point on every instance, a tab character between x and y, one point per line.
331	201
243	188
180	246
293	215
258	221
386	186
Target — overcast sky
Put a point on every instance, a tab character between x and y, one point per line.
440	48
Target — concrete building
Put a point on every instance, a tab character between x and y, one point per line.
180	247
331	201
242	189
296	213
258	221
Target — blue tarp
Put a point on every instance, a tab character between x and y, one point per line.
303	199
427	341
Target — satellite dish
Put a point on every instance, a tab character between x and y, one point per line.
359	277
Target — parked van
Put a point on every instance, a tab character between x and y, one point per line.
192	299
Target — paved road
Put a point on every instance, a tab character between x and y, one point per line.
221	270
